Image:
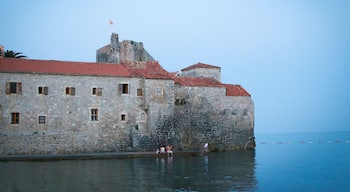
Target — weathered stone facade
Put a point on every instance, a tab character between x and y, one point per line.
206	114
202	71
127	50
54	107
68	127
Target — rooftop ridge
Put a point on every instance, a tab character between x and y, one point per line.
147	69
199	65
61	67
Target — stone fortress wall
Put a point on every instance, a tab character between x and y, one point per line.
136	112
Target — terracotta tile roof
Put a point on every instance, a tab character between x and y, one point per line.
175	74
147	69
199	65
197	81
235	90
61	67
231	89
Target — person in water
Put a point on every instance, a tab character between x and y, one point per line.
205	148
169	150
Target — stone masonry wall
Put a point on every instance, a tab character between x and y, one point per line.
164	113
158	105
203	72
127	50
206	114
68	127
133	51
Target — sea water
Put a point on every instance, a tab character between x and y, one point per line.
280	162
303	162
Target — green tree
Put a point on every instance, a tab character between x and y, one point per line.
14	54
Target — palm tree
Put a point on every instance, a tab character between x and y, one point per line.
14	54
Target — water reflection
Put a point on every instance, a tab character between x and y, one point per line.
228	171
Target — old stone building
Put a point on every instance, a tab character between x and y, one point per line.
124	102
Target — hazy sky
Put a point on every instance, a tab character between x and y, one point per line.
293	56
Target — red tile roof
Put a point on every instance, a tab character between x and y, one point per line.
61	67
175	74
235	90
197	81
147	69
231	90
199	65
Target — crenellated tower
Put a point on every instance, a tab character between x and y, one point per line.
125	51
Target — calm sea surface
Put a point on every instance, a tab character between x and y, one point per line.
281	162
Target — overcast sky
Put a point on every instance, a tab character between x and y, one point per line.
292	56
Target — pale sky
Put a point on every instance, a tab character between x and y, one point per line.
292	56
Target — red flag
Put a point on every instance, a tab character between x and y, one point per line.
111	22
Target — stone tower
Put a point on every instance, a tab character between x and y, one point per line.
127	50
115	49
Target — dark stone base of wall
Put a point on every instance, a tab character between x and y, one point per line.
61	144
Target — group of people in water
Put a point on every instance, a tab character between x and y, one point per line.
165	150
169	149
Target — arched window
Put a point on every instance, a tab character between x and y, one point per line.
142	116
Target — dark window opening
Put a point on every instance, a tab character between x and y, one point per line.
94	114
125	88
70	91
14	87
97	91
42	119
43	90
14	118
179	101
139	92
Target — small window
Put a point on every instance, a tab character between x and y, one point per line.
123	117
43	90
42	119
14	118
70	91
14	88
139	92
179	101
94	114
124	88
97	91
245	112
159	92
